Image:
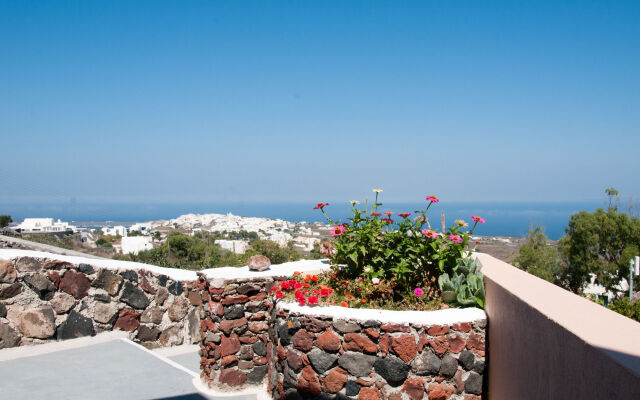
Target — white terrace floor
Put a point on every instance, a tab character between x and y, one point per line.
108	367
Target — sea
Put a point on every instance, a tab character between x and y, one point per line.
502	219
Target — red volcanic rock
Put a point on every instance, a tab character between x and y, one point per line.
75	283
462	326
259	263
229	345
475	343
54	277
303	340
146	286
361	343
395	328
248	339
8	272
335	380
371	393
422	341
414	388
328	341
227	325
294	360
232	377
385	342
456	343
438	330
372	333
437	391
234	300
256	327
227	360
308	384
405	347
440	345
128	319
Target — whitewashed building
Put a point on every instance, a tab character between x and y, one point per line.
114	230
45	225
135	244
236	246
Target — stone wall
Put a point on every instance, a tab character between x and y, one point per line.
349	358
248	339
44	300
236	338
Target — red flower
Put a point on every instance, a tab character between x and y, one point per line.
375	214
314	278
324	292
387	221
284	285
279	295
363	301
273	289
298	294
320	206
313	300
316	291
344	304
306	285
297	285
404	215
302	300
297	273
307	278
292	282
388	213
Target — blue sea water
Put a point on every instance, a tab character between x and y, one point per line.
503	219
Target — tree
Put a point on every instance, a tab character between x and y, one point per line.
537	257
5	220
600	244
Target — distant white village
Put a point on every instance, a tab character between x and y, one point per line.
142	236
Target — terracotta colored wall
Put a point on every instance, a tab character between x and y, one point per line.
547	343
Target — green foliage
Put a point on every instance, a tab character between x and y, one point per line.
315	253
102	242
599	243
5	220
465	287
627	308
134	233
64	242
407	254
273	251
537	257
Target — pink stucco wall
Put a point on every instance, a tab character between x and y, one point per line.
547	343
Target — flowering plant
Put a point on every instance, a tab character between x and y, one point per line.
408	254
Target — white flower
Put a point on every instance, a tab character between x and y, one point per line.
367	269
375	281
354	202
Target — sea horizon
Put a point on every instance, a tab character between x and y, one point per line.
503	218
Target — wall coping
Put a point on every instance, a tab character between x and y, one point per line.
422	318
226	273
594	324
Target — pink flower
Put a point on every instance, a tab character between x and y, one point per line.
375	214
432	199
455	238
431	234
388	213
320	206
387	221
475	218
418	292
337	230
404	215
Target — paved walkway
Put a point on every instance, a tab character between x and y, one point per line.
101	369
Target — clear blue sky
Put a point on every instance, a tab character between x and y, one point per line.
305	101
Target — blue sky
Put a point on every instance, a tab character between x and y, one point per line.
302	101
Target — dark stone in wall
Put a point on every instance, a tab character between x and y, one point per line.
234	312
257	374
40	284
86	269
8	336
473	384
162	280
175	288
3	310
108	281
352	388
284	333
479	366
134	296
146	334
76	325
260	348
467	360
372	323
357	364
102	297
10	291
130	275
449	366
392	369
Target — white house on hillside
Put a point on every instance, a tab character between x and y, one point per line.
114	230
135	244
46	225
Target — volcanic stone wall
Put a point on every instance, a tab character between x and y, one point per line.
45	300
236	345
338	358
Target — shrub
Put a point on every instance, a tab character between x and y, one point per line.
627	308
407	255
